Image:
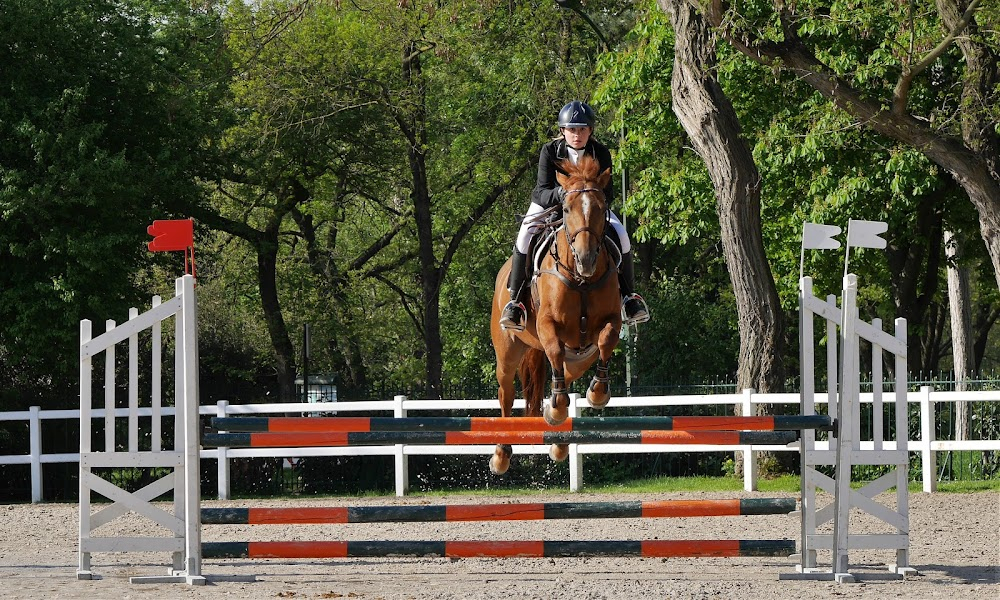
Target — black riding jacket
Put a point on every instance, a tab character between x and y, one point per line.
552	153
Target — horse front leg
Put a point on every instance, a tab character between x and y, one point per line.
599	390
557	410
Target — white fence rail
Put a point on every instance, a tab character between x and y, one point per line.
927	446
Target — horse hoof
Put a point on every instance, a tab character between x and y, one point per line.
497	466
500	461
595	398
598	400
599	405
555	416
559	452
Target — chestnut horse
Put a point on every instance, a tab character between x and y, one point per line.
574	315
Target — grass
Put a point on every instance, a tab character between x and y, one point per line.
785	483
782	484
962	487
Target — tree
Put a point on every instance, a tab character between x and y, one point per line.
103	115
307	152
878	78
358	168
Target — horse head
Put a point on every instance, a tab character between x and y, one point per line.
585	211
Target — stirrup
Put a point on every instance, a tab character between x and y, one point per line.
509	317
641	314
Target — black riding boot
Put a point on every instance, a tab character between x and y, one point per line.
512	318
634	309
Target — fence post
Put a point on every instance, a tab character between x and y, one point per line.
749	456
575	458
222	454
35	448
928	459
401	460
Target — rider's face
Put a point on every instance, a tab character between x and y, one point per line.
576	137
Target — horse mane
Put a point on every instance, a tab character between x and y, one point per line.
587	169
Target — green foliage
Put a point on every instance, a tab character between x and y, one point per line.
696	337
671	193
100	135
816	163
297	120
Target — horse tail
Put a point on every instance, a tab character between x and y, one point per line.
533	373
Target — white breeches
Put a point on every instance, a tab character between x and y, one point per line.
528	230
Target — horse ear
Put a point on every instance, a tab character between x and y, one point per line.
604	178
562	179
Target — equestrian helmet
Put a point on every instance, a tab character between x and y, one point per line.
577	114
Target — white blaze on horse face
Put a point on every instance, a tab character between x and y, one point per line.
586	262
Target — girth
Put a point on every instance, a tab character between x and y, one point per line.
583	288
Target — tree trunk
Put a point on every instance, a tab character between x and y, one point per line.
284	352
265	244
987	315
342	341
711	123
960	302
421	197
914	265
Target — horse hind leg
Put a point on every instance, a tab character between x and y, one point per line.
557	411
559	452
500	461
506	368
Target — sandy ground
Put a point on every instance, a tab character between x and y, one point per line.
955	544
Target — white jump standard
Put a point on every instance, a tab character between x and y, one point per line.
183	528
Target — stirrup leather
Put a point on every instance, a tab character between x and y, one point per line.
641	315
509	314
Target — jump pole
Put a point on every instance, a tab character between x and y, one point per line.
503	424
499	549
497	512
312	439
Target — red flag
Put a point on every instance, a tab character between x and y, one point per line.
171	235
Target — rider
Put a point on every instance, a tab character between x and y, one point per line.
576	124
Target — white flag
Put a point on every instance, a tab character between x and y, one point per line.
865	234
820	237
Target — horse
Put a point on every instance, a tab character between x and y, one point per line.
574	318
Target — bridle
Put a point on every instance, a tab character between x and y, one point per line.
571	237
579	284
